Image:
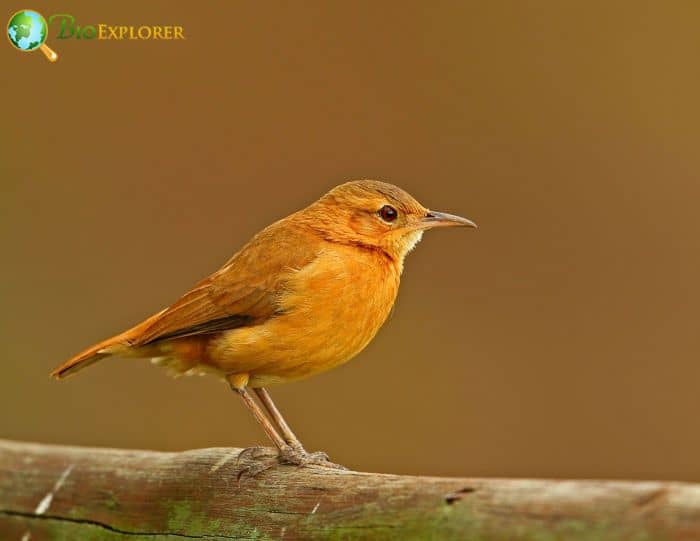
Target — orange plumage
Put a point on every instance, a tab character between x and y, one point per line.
304	295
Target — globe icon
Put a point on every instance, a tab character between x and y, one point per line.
27	31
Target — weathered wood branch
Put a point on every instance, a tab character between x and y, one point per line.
67	493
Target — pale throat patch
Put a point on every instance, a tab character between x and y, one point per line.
412	239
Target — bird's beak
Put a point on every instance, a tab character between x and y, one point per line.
442	219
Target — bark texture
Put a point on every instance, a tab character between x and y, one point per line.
70	493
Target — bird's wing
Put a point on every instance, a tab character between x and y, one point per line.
245	291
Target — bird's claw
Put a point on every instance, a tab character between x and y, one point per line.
296	456
254	469
254	452
261	459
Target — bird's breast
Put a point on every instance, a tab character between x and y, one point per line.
328	312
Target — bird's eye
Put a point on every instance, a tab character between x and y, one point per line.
388	213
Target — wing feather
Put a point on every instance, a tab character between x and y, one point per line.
245	291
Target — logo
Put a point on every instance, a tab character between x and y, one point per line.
27	31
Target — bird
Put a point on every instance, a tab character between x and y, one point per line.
304	295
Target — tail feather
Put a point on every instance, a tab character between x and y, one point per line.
91	355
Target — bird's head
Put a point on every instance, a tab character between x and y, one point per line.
376	214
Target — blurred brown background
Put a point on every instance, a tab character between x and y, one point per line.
560	339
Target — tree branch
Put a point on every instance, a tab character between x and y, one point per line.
52	492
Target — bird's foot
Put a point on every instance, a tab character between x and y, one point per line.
254	453
261	459
298	456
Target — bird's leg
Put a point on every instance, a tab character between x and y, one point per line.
260	417
295	453
287	433
287	454
258	466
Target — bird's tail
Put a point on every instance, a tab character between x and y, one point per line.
116	344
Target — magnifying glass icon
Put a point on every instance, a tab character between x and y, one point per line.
27	31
